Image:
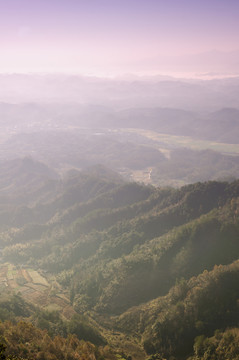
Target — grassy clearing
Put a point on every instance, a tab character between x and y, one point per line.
37	278
166	141
53	307
11	272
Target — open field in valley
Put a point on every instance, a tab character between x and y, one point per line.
35	288
167	141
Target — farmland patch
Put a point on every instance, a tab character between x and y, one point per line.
35	288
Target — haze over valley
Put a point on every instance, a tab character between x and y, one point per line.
119	180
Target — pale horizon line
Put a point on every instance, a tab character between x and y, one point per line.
125	75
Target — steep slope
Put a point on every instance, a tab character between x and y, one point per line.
132	268
195	307
31	201
25	180
129	244
147	261
25	341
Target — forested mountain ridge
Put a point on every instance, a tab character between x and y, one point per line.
137	259
178	323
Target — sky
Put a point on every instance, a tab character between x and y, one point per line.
114	37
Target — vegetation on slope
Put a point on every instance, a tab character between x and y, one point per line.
114	246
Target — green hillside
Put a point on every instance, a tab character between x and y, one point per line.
201	306
138	267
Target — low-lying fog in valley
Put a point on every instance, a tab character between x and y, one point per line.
156	130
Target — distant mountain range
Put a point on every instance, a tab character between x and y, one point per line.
120	93
206	64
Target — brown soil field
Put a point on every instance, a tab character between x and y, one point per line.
58	301
38	298
68	312
37	287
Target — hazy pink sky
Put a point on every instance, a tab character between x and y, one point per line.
116	36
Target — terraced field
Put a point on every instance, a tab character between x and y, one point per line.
36	288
